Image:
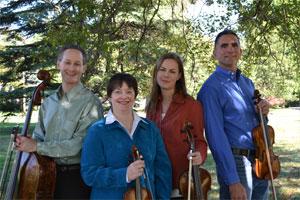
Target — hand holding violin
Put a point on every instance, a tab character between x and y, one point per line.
196	158
264	105
25	143
135	170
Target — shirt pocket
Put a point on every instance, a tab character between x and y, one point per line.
68	129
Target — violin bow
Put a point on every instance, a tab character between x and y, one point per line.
190	177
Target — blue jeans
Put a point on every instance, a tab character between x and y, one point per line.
257	189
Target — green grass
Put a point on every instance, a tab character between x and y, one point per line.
286	124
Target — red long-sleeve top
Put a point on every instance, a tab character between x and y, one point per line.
182	109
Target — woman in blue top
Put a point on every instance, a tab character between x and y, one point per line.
107	164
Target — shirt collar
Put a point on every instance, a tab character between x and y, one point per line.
229	74
70	94
110	118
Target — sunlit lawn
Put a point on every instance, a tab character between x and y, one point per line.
286	124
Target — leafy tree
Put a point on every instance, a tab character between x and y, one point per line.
119	35
270	33
129	35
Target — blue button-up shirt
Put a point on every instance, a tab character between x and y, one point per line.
230	116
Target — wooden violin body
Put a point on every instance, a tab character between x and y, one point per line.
133	194
267	165
260	166
205	180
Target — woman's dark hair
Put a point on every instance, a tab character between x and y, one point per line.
118	79
180	87
72	46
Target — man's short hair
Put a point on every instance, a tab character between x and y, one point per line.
226	32
72	46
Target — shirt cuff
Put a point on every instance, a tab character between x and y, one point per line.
40	149
232	178
127	181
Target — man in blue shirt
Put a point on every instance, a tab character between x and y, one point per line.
230	116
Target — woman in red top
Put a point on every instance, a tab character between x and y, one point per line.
171	107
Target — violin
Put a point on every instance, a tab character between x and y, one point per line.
266	164
32	175
195	183
139	192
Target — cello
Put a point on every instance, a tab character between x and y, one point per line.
32	175
137	193
266	164
195	183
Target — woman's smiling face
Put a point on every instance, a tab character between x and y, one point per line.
122	98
